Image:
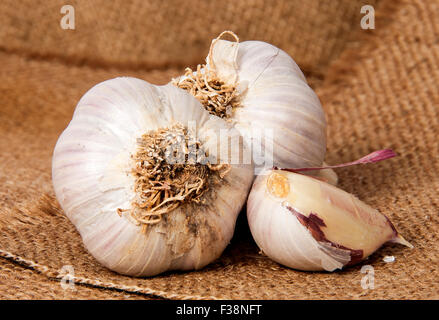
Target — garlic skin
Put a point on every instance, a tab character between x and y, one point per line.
307	224
273	95
91	177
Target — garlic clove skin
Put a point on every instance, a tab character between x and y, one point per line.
91	173
307	224
273	95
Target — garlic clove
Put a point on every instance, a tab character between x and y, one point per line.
92	173
307	224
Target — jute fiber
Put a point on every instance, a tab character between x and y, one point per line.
378	88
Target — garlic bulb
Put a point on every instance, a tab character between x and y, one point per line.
307	224
138	212
264	94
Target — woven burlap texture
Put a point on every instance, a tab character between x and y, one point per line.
378	88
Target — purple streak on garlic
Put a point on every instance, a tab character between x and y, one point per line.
307	224
92	177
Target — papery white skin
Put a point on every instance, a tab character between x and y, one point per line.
91	176
274	95
349	223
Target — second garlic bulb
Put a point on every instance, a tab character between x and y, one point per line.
260	89
139	214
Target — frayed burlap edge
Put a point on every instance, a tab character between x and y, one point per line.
42	269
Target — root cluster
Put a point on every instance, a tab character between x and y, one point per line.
217	97
171	168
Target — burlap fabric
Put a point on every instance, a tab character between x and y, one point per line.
378	87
